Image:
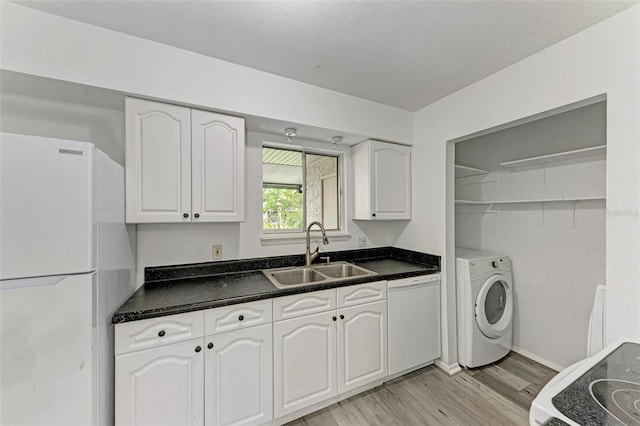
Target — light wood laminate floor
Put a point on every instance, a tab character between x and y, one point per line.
497	394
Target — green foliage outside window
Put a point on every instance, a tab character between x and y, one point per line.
282	208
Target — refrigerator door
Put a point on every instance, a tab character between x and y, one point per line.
45	207
48	362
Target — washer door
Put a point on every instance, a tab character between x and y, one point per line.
494	306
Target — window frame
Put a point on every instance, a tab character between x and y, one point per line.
284	234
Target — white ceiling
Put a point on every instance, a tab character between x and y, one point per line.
406	54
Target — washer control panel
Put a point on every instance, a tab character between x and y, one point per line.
478	268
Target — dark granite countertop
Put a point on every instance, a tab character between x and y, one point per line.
175	289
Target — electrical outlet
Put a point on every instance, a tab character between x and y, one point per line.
217	251
362	241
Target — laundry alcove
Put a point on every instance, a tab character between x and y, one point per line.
537	192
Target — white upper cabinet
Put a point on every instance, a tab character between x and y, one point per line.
217	167
183	165
158	162
382	181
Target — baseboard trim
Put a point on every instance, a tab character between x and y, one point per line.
450	369
537	358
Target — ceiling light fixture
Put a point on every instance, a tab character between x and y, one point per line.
336	140
290	133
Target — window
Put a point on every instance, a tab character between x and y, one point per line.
299	188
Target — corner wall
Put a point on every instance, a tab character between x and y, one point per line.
603	59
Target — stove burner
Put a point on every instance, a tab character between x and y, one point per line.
608	393
619	398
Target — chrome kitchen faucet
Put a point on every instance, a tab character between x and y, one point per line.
308	256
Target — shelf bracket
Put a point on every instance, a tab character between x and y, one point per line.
575	214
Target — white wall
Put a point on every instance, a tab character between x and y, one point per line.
57	119
166	244
603	59
41	44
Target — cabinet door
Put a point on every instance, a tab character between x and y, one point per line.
158	162
362	345
217	167
391	178
161	386
304	370
239	380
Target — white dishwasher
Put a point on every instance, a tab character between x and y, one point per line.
413	322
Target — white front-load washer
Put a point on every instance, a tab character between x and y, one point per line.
484	287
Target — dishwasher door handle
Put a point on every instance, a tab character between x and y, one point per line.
403	286
413	282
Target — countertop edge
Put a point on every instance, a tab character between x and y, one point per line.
162	279
120	318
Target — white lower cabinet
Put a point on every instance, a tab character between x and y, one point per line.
161	386
323	355
362	345
234	366
238	377
304	361
169	373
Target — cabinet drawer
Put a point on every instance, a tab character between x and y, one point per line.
233	317
149	333
304	304
362	293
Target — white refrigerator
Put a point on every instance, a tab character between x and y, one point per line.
66	264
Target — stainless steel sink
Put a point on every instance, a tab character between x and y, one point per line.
342	270
298	276
308	275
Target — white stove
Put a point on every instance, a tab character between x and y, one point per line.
603	389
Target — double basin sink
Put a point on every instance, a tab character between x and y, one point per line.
314	274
